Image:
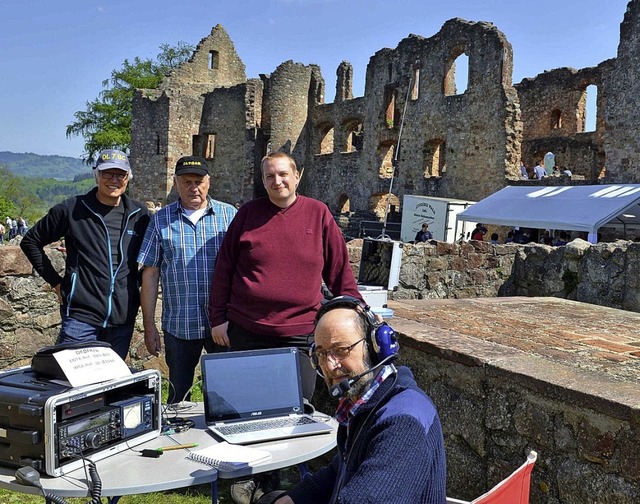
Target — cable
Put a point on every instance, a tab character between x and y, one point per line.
31	477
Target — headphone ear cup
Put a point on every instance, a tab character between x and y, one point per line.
386	341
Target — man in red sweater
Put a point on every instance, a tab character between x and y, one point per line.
268	277
267	282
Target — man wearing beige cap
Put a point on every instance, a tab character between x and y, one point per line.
103	231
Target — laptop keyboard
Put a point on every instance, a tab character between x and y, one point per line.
274	423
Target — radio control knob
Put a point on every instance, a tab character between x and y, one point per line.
93	440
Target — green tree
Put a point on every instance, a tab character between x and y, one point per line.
106	123
16	199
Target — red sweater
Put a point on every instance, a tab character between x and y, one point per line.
271	265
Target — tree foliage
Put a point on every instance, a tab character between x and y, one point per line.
32	197
106	122
28	164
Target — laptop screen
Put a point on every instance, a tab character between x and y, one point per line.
251	384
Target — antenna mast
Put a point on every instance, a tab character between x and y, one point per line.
384	236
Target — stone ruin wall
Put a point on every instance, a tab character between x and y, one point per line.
234	108
554	104
621	113
466	146
291	97
166	120
477	128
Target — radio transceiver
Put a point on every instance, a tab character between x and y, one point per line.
47	425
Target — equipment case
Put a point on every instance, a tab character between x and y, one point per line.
47	425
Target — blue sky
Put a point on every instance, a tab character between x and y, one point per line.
54	54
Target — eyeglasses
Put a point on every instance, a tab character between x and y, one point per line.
337	353
111	175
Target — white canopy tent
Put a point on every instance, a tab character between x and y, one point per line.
570	208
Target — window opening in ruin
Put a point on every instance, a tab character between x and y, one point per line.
415	88
343	204
197	145
355	136
556	119
377	203
214	60
390	71
456	79
434	155
385	155
389	106
591	108
210	146
325	145
267	146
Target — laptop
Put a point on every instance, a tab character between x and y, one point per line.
256	395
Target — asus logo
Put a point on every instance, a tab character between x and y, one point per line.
256	413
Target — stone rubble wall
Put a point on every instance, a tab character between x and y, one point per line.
605	274
30	313
496	405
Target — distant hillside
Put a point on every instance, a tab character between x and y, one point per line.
35	165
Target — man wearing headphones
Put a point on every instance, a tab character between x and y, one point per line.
390	440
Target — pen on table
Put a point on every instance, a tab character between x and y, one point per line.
176	447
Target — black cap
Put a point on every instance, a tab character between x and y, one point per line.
192	165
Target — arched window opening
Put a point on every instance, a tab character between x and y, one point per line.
325	145
343	204
378	203
556	119
591	108
434	155
354	136
385	155
456	79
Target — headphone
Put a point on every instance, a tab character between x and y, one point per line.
380	338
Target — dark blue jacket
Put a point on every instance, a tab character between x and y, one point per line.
393	452
92	290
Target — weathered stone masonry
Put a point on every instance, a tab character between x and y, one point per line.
454	144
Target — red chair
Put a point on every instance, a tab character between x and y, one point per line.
511	490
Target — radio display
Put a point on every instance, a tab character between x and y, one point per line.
132	415
89	423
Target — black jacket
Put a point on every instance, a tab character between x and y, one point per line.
92	291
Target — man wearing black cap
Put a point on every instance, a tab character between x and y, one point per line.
180	249
103	231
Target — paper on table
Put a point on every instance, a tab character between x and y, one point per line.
85	366
229	457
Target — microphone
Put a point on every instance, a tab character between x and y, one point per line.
340	389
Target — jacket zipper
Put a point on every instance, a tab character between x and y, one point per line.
111	271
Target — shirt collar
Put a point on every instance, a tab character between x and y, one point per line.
208	208
348	406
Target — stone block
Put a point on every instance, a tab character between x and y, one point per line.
14	262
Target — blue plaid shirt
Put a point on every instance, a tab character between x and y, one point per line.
185	253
